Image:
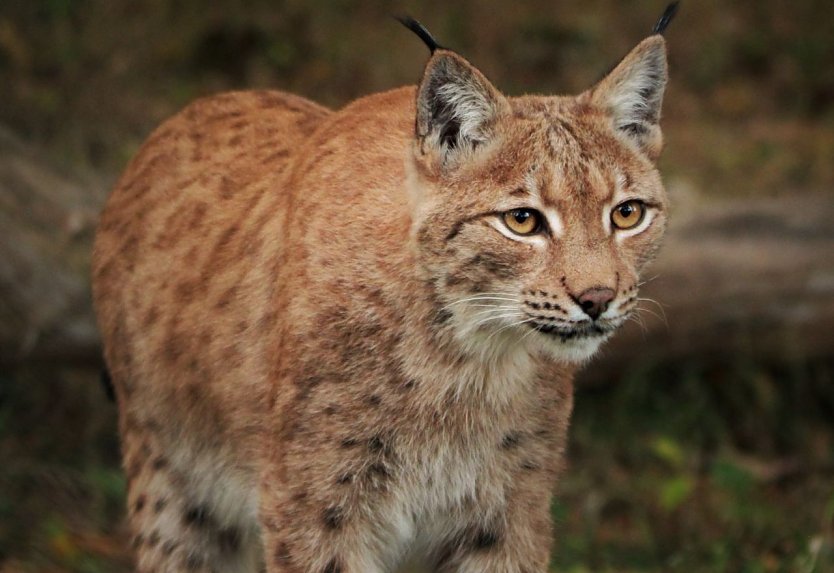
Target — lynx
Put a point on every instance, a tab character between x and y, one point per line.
343	340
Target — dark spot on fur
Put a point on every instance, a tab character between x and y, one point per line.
374	400
333	517
185	291
529	466
138	541
153	539
349	442
485	539
229	539
282	554
159	463
168	547
375	444
378	469
196	516
309	381
511	440
193	562
468	540
455	230
330	410
441	317
454	280
151	317
290	429
344	478
226	298
272	157
159	505
227	188
140	503
332	567
173	349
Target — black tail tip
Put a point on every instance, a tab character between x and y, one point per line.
666	18
421	32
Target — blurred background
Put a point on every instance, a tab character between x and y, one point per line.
702	440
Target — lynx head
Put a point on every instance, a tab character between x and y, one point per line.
534	215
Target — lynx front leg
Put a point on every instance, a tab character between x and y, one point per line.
304	535
508	527
328	505
177	524
516	540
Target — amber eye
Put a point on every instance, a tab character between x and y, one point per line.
628	215
523	221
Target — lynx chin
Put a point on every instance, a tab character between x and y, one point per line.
344	340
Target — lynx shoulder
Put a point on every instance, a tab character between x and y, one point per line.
342	339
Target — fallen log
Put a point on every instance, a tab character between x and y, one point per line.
47	217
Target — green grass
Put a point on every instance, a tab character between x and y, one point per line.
702	469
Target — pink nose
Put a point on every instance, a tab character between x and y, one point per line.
595	301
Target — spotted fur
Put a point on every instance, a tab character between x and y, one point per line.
329	353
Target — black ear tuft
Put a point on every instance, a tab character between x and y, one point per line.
421	31
666	18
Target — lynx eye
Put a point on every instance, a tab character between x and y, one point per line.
628	215
523	221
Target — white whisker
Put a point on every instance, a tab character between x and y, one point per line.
496	309
654	314
480	298
483	321
657	304
639	322
648	280
526	334
503	328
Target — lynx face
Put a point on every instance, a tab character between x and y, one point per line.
537	214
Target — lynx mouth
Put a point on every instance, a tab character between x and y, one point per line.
578	332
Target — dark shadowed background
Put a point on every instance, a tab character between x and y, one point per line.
703	439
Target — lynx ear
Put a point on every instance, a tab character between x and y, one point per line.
633	94
456	106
